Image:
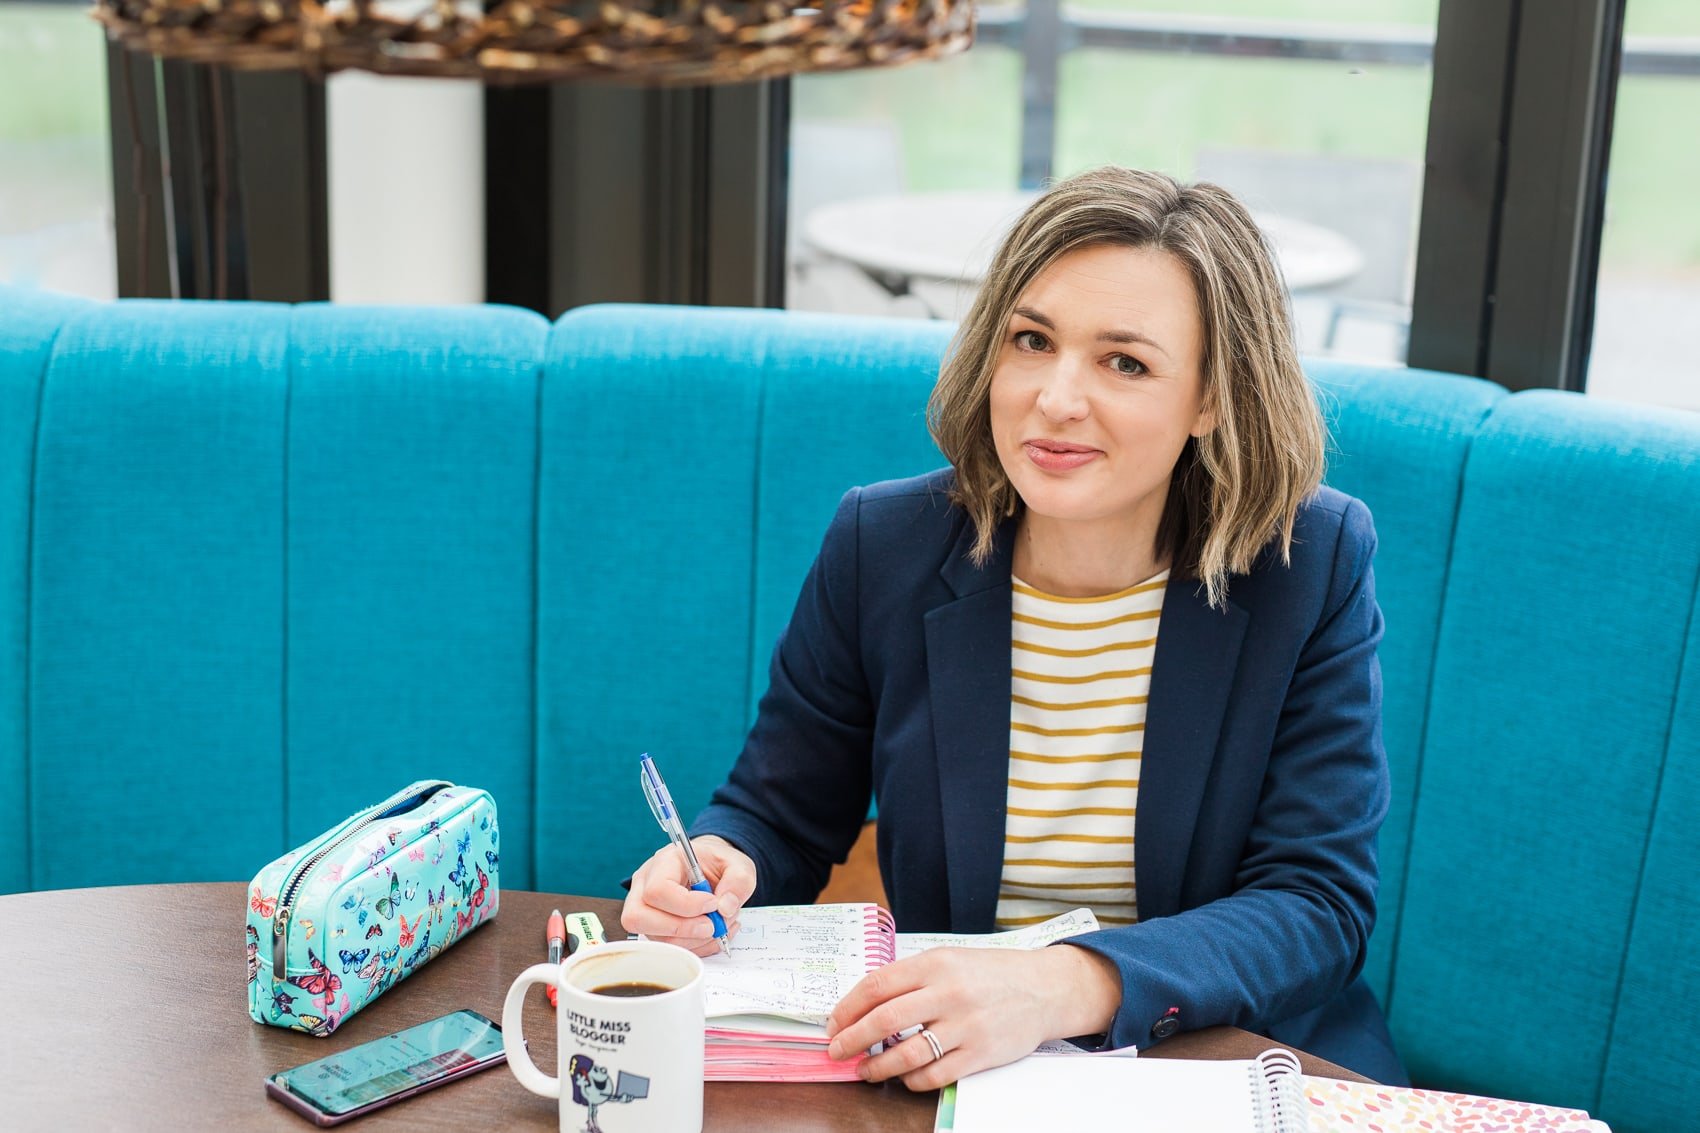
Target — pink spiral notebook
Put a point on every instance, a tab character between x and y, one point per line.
768	998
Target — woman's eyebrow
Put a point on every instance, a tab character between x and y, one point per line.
1116	336
1125	336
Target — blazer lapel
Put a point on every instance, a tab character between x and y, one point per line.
968	676
1198	651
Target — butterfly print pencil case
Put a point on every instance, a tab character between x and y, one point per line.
335	923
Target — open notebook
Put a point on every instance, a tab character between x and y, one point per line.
768	998
1267	1094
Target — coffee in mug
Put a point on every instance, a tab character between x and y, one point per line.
629	991
629	1028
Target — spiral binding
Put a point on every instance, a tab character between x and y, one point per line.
1277	1085
879	936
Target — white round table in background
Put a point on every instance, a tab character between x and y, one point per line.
950	237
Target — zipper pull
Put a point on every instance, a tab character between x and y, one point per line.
280	945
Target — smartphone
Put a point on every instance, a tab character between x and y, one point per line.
374	1074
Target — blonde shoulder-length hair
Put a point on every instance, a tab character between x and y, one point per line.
1238	487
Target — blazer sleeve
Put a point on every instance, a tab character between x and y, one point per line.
799	791
1293	932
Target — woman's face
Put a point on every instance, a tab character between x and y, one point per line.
1098	385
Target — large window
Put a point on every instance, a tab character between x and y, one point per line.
1330	118
55	181
1313	111
948	126
1648	300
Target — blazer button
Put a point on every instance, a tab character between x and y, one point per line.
1167	1025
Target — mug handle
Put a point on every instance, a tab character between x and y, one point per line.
513	1031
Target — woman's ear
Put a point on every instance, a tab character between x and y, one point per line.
1205	422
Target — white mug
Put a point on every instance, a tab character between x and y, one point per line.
627	1061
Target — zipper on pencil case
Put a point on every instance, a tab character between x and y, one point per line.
389	808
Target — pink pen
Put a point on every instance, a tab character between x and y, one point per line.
557	934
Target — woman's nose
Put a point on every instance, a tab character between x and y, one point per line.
1063	395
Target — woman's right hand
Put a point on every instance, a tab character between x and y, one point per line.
662	906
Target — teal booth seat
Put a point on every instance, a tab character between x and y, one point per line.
261	564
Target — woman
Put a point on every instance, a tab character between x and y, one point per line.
1126	615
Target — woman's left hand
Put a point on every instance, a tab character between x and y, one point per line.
983	1006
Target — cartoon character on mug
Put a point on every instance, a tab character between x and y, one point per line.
592	1087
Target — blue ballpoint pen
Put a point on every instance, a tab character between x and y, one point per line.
661	805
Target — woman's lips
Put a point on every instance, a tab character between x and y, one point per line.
1054	456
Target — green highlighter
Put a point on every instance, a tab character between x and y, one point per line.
583	929
946	1119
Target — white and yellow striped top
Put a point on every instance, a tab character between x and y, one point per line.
1080	677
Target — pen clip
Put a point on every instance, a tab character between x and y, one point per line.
655	793
661	806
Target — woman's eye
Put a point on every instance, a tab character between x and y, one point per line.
1030	340
1122	364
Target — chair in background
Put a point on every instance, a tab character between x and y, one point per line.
1370	201
837	161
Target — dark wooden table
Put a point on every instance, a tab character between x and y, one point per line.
127	1010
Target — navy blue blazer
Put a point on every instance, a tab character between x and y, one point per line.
1263	781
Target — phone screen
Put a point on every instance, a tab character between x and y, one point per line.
343	1082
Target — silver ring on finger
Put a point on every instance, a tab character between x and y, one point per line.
933	1041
